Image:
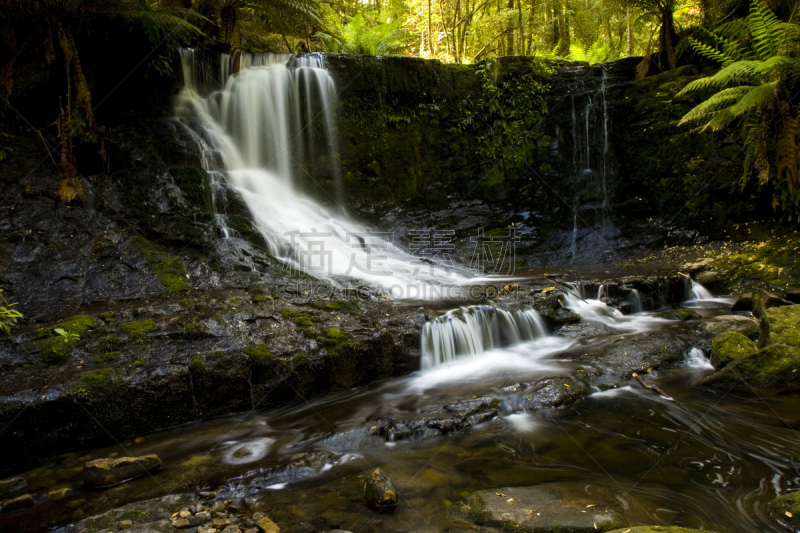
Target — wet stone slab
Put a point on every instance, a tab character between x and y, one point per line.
562	507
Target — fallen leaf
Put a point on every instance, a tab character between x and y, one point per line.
788	514
590	506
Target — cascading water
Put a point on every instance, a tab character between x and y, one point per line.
473	330
257	133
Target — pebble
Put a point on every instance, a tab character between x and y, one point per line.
58	494
268	526
25	501
220	523
207	494
124	524
181	523
184	514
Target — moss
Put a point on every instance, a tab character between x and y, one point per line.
102	393
80	324
139	362
679	314
56	350
300	318
259	299
169	269
788	503
259	354
108	316
186	304
729	346
138	329
195	329
657	529
776	366
781	325
235	300
108	357
198	364
110	343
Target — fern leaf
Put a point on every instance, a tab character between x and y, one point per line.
721	100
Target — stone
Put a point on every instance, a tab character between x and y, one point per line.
198	519
181	523
562	507
265	525
776	366
744	303
729	346
25	501
124	524
379	492
679	314
59	494
793	295
712	281
746	325
207	494
205	515
780	325
658	529
785	510
763	300
232	529
105	472
184	514
220	523
12	486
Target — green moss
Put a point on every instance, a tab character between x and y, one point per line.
259	354
781	325
56	350
776	366
195	329
101	392
788	503
108	316
235	300
657	529
258	299
729	346
110	343
80	324
186	304
138	329
300	318
679	314
139	362
108	357
169	269
198	363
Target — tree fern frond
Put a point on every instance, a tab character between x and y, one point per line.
709	52
722	99
759	96
787	152
765	29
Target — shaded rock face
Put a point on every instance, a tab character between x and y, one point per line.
785	510
25	501
656	529
379	492
566	507
727	347
746	325
12	486
105	472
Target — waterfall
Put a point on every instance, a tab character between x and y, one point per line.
473	330
636	301
258	131
605	144
695	291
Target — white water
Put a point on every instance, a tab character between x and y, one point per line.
699	292
474	330
257	135
697	359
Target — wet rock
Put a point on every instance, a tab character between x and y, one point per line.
780	325
679	314
25	501
776	366
181	523
785	510
657	529
729	346
744	303
105	472
793	295
713	281
566	508
12	486
746	325
59	494
763	300
125	524
379	492
552	310
265	525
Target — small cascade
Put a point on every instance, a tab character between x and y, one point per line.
695	291
697	359
473	330
636	301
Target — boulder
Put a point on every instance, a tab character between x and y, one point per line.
265	525
729	346
551	308
785	510
793	295
746	325
105	472
379	492
763	300
25	501
744	303
713	281
562	507
679	314
12	486
776	366
780	325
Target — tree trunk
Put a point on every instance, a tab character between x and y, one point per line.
521	49
430	29
668	39
229	27
563	30
531	20
606	24
510	31
630	31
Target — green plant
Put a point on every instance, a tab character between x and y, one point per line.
8	315
756	86
67	336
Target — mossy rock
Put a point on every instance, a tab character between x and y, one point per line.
777	367
101	391
108	316
80	324
729	346
713	281
780	325
110	343
785	510
56	350
108	357
679	314
763	300
197	364
744	303
196	330
169	269
259	354
659	529
300	318
186	304
138	329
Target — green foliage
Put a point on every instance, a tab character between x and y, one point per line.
67	336
755	87
598	52
8	315
360	37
